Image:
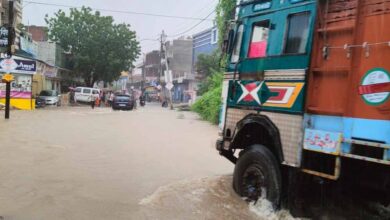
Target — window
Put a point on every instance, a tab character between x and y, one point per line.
95	92
237	46
47	93
297	33
78	90
259	41
86	91
214	36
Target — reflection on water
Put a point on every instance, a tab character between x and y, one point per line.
207	198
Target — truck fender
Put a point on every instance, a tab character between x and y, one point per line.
258	129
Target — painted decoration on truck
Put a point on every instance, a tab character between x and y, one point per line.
322	141
375	87
275	96
284	94
250	93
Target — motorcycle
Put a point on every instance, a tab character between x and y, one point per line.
40	103
142	102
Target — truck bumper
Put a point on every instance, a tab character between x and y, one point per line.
228	154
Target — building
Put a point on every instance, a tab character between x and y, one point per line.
205	42
152	67
18	16
22	65
38	33
137	77
180	58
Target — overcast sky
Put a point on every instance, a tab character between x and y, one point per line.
147	27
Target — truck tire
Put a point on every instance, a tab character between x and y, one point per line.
257	172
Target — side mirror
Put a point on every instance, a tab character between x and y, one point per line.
228	42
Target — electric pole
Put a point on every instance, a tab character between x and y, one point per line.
10	51
168	77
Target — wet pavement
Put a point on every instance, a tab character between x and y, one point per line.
152	163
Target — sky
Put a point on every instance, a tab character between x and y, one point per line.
147	27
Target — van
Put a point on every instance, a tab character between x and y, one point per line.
84	94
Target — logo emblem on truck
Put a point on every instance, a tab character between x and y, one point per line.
375	88
252	92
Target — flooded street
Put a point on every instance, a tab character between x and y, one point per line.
79	163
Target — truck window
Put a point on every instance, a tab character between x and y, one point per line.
78	90
86	91
237	46
297	33
259	40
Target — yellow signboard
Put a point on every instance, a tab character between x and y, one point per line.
8	78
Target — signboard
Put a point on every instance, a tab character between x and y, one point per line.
29	46
169	86
50	72
168	76
18	66
7	78
296	1
3	36
375	87
20	87
322	141
262	6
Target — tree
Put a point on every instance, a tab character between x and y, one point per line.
226	11
208	106
207	64
99	48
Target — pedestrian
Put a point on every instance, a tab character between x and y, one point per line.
106	98
71	97
97	101
134	97
111	98
93	101
102	98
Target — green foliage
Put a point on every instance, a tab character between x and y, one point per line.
208	106
210	83
100	49
225	12
207	64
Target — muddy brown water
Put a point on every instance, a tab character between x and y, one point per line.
78	163
205	198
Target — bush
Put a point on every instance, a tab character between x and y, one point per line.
208	106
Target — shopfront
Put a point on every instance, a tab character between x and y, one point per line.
23	71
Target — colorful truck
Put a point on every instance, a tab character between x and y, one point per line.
307	90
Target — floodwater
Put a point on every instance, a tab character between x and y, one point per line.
152	163
205	198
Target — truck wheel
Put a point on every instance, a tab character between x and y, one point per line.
257	175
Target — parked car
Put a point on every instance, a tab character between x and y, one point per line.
123	102
51	97
84	94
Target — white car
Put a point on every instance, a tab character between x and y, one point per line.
51	97
84	94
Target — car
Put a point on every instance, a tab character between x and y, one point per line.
51	97
123	102
84	94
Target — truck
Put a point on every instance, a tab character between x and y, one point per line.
306	91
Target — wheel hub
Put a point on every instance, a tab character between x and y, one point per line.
254	183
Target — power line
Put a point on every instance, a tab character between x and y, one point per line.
148	39
185	24
191	28
119	11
